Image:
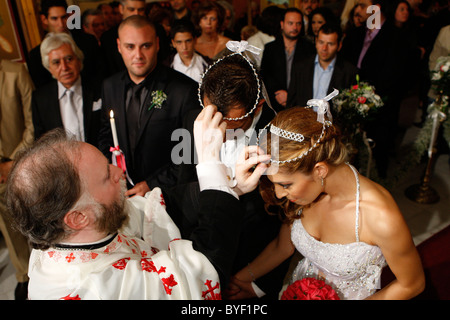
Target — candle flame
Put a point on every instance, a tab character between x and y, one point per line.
111	114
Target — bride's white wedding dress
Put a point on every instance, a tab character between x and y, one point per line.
353	270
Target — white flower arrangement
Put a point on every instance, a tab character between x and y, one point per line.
440	76
158	98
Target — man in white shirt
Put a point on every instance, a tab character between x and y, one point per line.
68	101
186	60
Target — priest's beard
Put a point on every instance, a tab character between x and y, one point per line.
110	218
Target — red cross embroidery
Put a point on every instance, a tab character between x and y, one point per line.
121	264
70	257
210	291
168	283
162	202
149	266
68	297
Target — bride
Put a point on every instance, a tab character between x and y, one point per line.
346	226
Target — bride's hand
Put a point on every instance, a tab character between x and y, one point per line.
249	169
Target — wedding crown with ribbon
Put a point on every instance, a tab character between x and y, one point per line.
323	108
239	47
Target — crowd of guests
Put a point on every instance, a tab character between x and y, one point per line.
118	60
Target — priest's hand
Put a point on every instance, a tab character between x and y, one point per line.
140	189
209	132
238	290
249	169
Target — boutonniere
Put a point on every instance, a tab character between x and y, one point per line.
158	98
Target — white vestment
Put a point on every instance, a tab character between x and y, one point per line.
145	260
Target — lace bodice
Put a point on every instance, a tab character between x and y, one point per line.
353	269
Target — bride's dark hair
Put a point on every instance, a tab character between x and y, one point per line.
331	149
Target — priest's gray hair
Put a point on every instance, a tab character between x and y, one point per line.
43	186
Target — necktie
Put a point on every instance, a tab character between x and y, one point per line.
133	116
74	125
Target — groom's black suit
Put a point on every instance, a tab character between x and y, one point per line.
153	144
258	228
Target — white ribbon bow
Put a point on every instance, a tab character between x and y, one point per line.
241	46
323	106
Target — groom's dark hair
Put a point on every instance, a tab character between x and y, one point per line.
230	83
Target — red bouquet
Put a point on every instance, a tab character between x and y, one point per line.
309	289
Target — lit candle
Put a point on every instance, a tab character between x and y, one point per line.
113	128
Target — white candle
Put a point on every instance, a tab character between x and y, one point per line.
113	128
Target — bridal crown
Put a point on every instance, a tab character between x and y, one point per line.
237	47
323	108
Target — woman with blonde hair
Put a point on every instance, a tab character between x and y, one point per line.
345	226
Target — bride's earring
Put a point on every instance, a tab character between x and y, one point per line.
322	181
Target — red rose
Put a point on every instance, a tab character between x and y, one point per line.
362	99
309	289
355	87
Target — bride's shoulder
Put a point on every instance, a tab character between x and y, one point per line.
379	207
374	193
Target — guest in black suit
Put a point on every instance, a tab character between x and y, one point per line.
113	59
70	101
144	129
281	55
54	19
108	40
380	54
231	85
317	76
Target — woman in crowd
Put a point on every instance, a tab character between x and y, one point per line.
318	18
346	226
401	13
209	18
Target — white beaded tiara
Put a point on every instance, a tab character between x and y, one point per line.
237	48
323	107
287	134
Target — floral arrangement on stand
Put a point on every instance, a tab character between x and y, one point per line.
440	76
309	289
440	81
352	109
438	115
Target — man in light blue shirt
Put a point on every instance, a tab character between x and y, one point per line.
319	74
328	45
322	77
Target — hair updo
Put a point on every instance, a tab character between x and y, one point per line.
331	149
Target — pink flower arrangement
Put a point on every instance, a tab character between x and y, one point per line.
309	289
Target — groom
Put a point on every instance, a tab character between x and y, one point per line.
144	128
